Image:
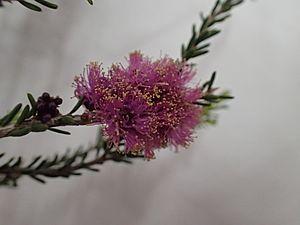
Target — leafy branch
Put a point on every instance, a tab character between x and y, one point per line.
35	5
65	166
197	46
42	115
209	116
19	122
209	97
211	101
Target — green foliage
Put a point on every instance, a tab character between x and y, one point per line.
24	115
17	116
47	4
66	165
35	4
90	2
59	131
10	116
30	5
211	101
33	104
219	13
209	116
77	106
19	122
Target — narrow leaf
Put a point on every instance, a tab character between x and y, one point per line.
226	97
35	160
23	115
38	127
208	35
92	169
203	47
20	132
8	162
202	103
30	6
11	115
59	131
33	105
90	2
18	162
212	80
77	106
216	6
76	173
182	51
193	38
47	4
222	19
42	164
198	53
38	179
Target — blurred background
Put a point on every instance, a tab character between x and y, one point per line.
244	171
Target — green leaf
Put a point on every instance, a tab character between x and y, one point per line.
33	105
2	119
216	6
59	131
30	6
34	161
90	1
77	106
8	162
38	127
18	162
208	34
92	169
225	97
212	80
203	47
203	104
193	38
198	53
209	83
19	132
183	51
8	118
219	13
67	120
23	115
38	179
222	19
47	4
211	98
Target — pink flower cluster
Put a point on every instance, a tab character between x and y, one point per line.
147	104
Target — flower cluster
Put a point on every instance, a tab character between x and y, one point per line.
147	104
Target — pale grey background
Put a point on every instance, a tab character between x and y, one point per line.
245	171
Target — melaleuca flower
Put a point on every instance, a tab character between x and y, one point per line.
147	104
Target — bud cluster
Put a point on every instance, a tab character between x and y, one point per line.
47	107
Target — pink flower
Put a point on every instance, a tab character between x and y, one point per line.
146	104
